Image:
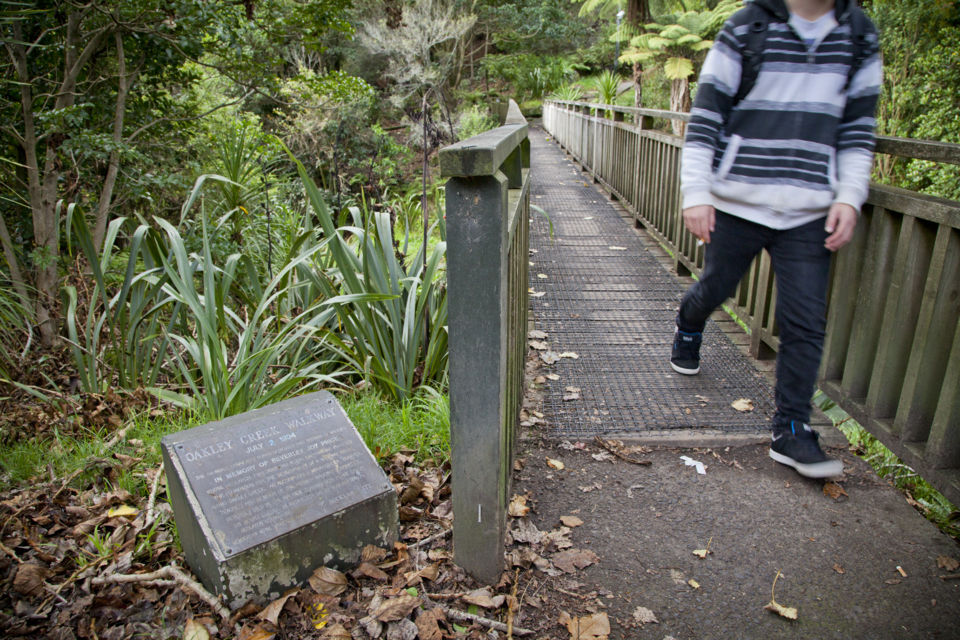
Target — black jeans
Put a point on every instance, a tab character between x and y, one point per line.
802	267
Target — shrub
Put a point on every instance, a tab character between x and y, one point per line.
475	120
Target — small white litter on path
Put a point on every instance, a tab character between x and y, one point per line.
690	462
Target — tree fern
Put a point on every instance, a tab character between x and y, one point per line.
678	68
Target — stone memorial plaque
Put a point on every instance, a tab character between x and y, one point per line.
264	498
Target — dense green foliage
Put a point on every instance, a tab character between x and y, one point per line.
921	91
228	203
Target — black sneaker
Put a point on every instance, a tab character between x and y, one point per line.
800	449
685	358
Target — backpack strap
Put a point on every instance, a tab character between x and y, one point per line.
752	54
858	33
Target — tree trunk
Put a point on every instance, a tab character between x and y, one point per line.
637	85
42	185
124	84
679	101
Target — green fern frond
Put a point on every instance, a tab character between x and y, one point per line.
674	31
635	56
677	68
591	5
703	45
689	39
624	33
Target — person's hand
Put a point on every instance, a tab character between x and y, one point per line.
841	221
700	221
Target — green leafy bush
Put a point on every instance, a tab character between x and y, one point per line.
532	108
475	120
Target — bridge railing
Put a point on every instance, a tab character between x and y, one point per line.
488	253
892	357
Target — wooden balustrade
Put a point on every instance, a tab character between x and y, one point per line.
488	249
892	355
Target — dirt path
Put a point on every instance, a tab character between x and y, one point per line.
838	558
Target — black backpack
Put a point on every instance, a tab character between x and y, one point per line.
752	55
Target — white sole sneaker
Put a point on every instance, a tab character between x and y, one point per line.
686	372
825	469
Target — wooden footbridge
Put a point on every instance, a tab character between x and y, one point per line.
575	229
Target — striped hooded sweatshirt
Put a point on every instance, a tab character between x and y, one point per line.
799	141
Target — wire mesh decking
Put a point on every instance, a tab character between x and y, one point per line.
607	299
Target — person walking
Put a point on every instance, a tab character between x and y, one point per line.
777	156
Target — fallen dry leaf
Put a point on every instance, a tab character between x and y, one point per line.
371	571
558	538
572	559
397	608
481	598
552	376
539	346
948	563
617	248
371	554
29	579
643	615
893	581
743	404
537	335
839	569
592	627
693	583
549	357
328	582
518	507
833	490
262	631
337	632
427	624
427	573
519	464
542	275
403	629
123	510
569	354
703	552
595	485
526	532
786	612
193	630
571	521
272	611
554	464
539	380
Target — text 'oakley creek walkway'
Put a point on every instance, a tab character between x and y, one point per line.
600	294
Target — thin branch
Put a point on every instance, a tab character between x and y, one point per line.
202	115
429	539
164	576
151	503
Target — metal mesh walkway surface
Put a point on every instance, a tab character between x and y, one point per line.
608	300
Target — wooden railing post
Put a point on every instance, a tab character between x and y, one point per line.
487	209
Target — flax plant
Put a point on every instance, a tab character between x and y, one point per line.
384	308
